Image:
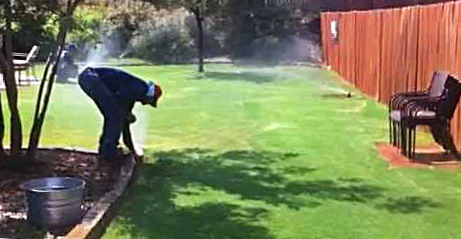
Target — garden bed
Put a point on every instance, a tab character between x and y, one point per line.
100	179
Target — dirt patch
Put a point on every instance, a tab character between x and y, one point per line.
431	156
100	179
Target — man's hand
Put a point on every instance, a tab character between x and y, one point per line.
130	118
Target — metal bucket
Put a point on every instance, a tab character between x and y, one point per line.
54	202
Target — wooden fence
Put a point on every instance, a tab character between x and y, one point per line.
347	5
382	52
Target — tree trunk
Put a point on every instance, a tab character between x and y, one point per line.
2	129
6	62
199	21
40	112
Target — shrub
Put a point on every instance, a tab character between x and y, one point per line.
85	30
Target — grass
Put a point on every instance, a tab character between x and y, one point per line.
261	153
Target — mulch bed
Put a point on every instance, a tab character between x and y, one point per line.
431	157
100	179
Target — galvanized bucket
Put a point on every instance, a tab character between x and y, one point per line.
54	202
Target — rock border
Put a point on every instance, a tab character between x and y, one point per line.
94	223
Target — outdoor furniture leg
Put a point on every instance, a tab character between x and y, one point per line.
391	140
411	142
395	133
446	139
413	146
403	138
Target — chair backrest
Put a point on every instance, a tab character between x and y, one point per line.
450	98
33	53
437	85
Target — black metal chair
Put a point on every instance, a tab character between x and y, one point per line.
398	102
435	113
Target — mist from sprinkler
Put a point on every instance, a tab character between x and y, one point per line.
96	56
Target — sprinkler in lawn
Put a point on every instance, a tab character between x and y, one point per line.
338	93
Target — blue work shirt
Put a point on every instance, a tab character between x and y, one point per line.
126	87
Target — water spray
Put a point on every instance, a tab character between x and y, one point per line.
140	129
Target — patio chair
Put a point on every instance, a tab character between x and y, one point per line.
435	113
398	102
24	62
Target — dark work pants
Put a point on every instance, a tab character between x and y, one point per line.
108	106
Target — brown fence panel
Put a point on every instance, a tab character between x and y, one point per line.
411	51
333	46
457	27
343	41
456	68
368	31
360	47
387	59
398	80
350	47
447	39
347	46
428	43
324	36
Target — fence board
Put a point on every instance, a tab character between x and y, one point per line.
324	34
412	48
398	80
457	68
361	66
333	58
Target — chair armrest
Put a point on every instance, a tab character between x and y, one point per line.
20	54
411	93
399	102
430	103
398	97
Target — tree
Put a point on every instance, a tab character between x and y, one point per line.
66	9
269	29
200	9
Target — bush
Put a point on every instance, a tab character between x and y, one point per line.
215	33
85	30
168	44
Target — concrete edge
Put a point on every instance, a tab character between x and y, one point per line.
96	220
70	149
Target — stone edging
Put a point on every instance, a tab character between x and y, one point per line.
95	221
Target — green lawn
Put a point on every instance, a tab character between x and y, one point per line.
261	153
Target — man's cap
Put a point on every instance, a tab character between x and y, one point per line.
157	93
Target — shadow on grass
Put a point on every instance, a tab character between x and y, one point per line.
409	204
153	210
241	76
